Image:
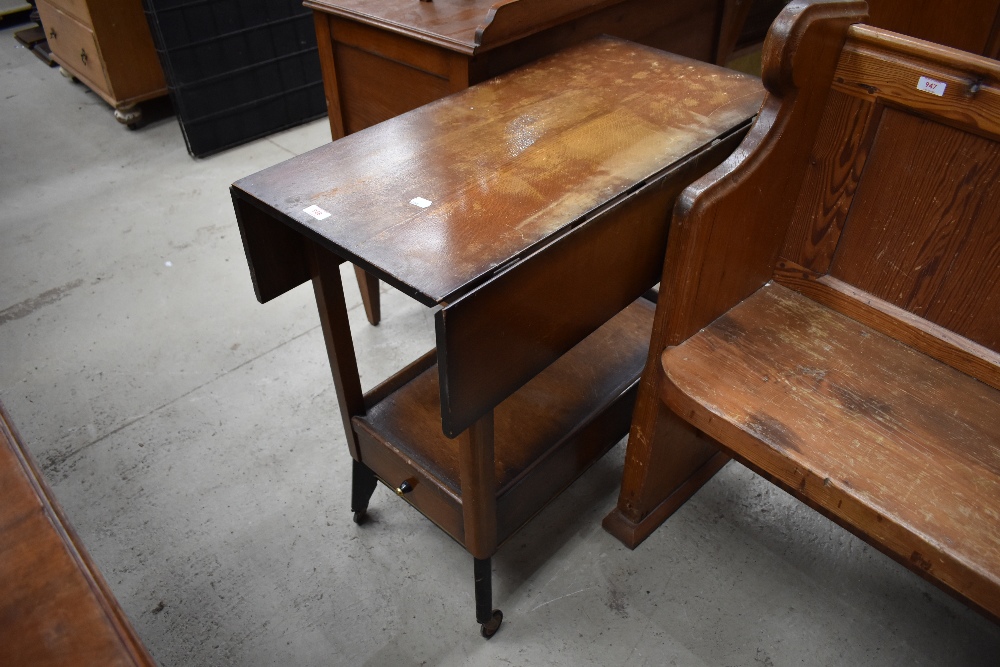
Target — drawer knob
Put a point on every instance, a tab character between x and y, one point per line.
52	33
83	56
404	488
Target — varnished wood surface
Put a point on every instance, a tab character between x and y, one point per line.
970	25
383	59
506	164
127	50
535	417
831	179
55	607
328	289
933	225
275	253
726	234
377	79
932	339
926	207
875	401
477	474
905	448
376	71
461	25
545	435
880	66
498	337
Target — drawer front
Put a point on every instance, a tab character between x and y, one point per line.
427	496
76	8
74	47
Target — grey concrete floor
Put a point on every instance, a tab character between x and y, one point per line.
192	437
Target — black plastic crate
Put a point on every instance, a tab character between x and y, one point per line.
237	70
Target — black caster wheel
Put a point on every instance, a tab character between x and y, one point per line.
360	517
490	629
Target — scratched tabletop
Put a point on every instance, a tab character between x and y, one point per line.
437	199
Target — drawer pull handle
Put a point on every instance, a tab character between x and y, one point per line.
52	33
404	488
83	56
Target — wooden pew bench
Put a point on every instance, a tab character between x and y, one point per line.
842	341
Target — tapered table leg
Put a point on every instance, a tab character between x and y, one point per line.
368	284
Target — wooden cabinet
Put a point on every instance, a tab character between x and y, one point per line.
106	45
381	59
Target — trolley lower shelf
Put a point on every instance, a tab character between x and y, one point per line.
547	433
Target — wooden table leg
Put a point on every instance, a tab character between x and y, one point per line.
477	468
368	284
324	267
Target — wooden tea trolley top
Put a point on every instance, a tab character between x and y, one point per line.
438	199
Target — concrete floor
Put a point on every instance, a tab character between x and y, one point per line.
192	438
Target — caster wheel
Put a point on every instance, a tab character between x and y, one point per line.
360	517
69	75
489	629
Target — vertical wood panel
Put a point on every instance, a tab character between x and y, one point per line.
962	24
832	175
924	231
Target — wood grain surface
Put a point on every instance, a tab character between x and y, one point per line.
55	607
383	59
544	435
535	417
501	335
932	339
924	228
505	164
726	235
461	25
875	399
905	449
882	66
970	25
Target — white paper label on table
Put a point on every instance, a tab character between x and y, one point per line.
421	202
317	212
